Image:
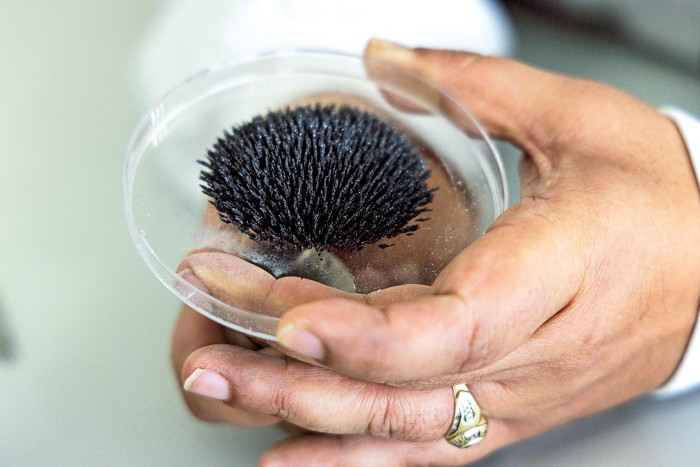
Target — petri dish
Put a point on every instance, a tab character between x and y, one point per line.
171	220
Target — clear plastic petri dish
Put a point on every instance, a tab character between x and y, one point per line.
171	221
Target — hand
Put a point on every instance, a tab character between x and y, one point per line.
580	297
594	257
370	423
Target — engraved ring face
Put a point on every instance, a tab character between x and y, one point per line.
470	437
467	412
468	426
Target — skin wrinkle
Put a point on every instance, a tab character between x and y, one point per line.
594	273
573	363
504	389
284	403
474	336
540	157
478	351
531	393
384	420
530	400
475	347
392	418
529	175
569	363
283	398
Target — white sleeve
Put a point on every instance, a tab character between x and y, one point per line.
687	375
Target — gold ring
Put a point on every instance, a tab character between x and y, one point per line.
469	426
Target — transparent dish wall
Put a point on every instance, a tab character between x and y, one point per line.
164	202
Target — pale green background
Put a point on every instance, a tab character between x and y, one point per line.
90	382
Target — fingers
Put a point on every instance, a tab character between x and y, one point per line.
329	450
194	331
504	95
316	398
516	277
537	111
485	290
242	284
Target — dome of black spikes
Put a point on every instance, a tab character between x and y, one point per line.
317	177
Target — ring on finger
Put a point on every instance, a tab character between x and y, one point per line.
469	426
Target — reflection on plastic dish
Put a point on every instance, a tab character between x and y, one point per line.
222	273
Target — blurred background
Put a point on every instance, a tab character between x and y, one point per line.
85	377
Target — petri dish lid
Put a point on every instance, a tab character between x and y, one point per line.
164	203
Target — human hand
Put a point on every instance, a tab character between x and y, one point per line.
227	379
595	248
578	298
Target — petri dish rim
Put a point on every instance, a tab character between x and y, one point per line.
151	128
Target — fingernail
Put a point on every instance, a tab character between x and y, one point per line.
209	384
392	52
301	341
189	276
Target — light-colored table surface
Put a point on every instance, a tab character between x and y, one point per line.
90	381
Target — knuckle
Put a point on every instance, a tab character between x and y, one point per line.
393	416
387	418
283	404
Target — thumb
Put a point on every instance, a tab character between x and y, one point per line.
516	277
489	300
511	100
